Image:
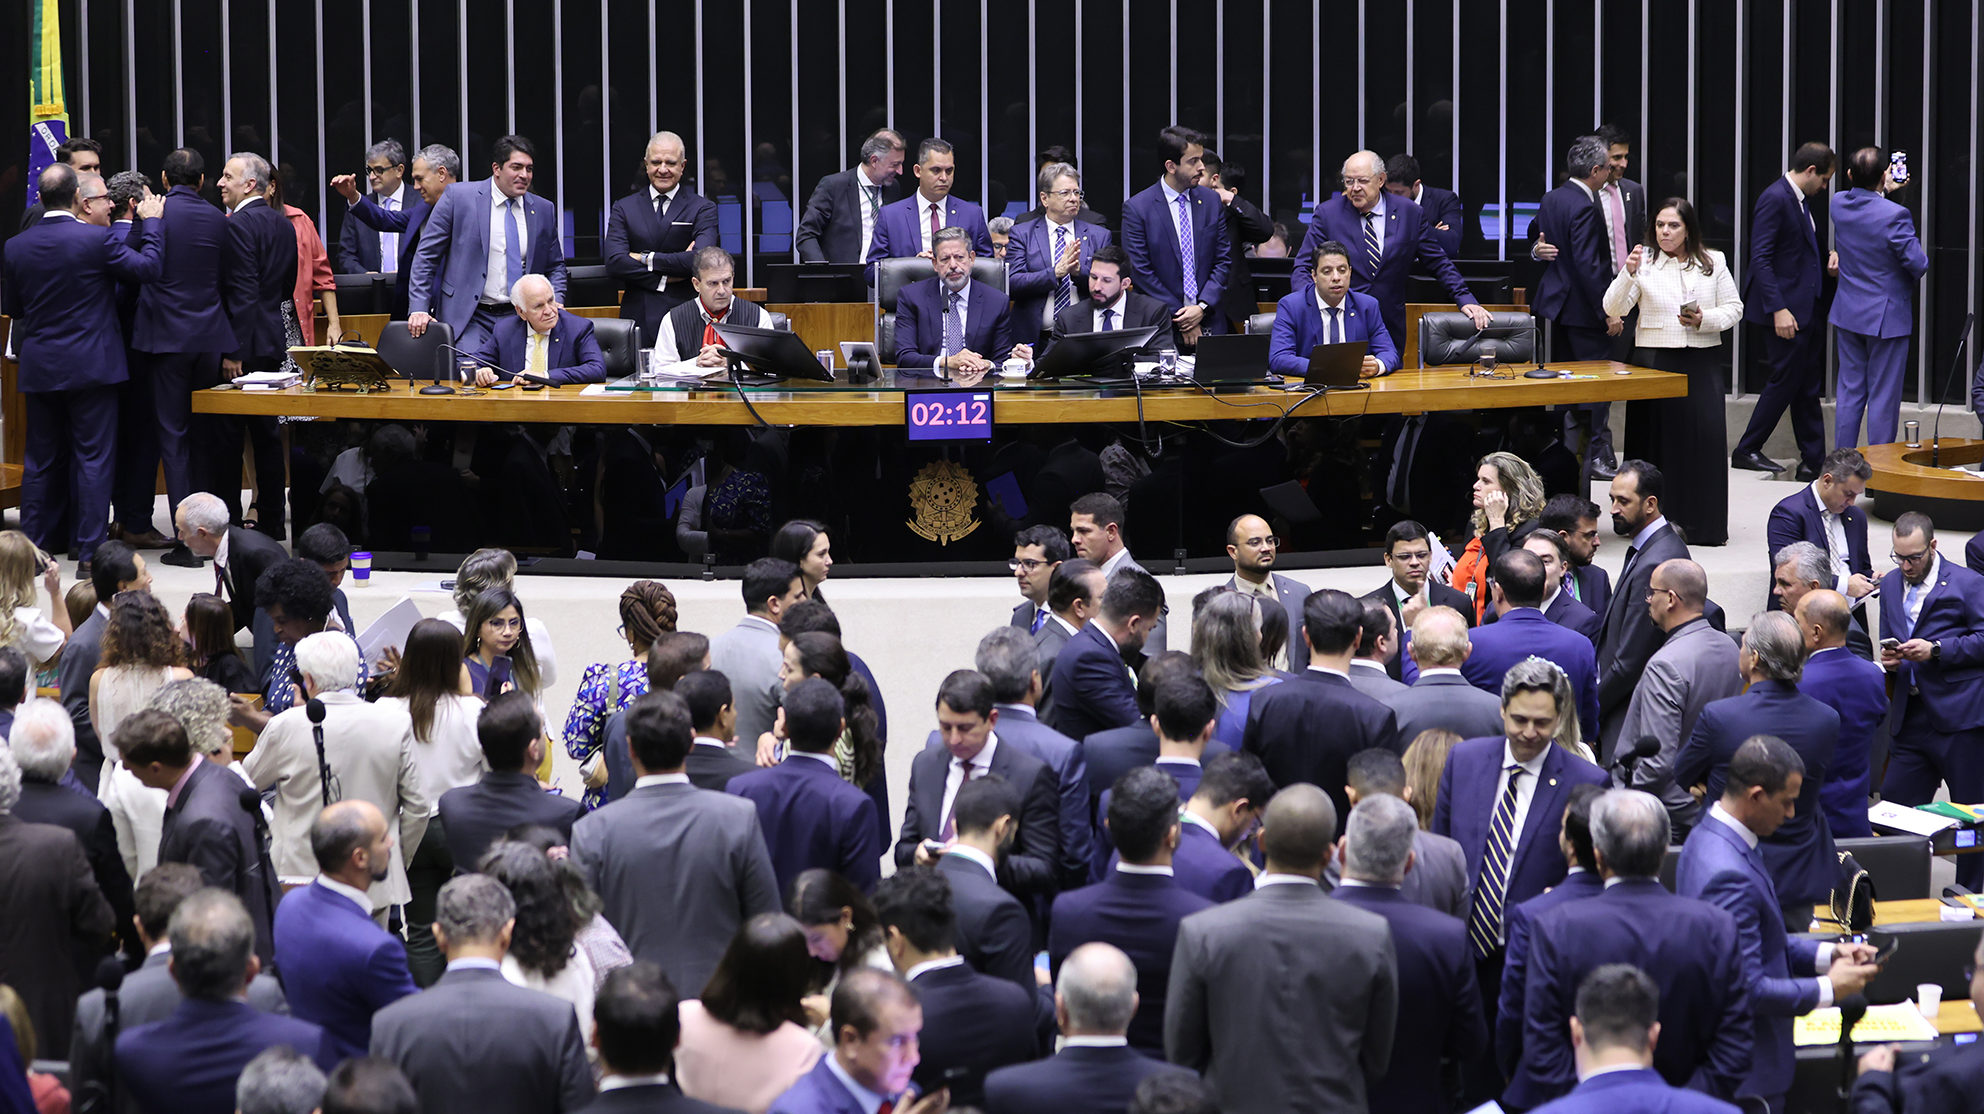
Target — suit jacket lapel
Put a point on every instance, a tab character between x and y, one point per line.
1542	805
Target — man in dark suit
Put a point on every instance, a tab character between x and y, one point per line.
678	868
1438	879
1251	544
1091	684
1784	294
361	248
115	568
1327	311
1282	718
1688	947
1184	713
1570	239
541	339
1110	754
993	928
1225	809
1721	865
1803	568
1175	234
1622	205
1442	208
480	238
711	763
636	1026
1581	881
1613	1035
810	815
951	323
652	236
212	819
839	224
61	281
1098	1069
876	1019
1006	657
442	1038
188	1062
339	967
1824	515
435	168
240	555
259	275
1439	1013
1803	865
1856	689
1377	643
1441	697
1138	904
1047	260
1325	1036
1575	519
974	1022
43	740
1942	1079
909	227
1522	631
1246	226
1074	595
1629	636
1880	261
1111	304
1408	556
1936	608
81	154
1559	606
1037	552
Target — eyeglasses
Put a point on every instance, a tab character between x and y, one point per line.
1907	558
88	201
1349	181
1026	564
1076	194
1269	542
1652	591
379	171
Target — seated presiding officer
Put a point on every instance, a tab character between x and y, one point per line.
1111	304
951	323
688	333
1330	312
541	339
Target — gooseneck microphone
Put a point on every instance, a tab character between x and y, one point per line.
1942	396
315	710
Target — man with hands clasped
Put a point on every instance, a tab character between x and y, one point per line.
945	323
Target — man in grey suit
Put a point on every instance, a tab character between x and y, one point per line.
1438	878
114	568
678	868
474	1043
1693	668
749	653
1324	1033
1252	545
1377	642
1074	593
1441	698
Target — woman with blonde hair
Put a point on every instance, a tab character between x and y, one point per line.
1226	646
22	624
1508	497
1425	758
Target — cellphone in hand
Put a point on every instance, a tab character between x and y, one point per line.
1898	167
1691	306
1890	644
499	676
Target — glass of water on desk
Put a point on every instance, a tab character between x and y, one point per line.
1167	362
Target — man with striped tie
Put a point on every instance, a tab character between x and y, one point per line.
954	326
1502	798
1047	260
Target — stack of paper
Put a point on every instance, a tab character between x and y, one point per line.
1900	1022
1914	821
267	380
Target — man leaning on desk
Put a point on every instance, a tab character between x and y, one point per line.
542	341
1949	1078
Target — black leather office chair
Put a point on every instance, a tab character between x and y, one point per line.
1670	867
778	321
1451	338
1929	953
590	286
420	357
619	344
1260	322
362	293
891	275
1897	865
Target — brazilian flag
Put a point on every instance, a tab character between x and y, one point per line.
48	113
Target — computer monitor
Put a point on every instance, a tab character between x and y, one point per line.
1085	353
816	282
773	352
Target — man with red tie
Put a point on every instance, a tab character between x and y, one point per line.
909	227
688	333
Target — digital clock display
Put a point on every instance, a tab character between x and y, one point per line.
948	415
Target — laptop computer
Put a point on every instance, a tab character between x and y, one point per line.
1231	358
1334	366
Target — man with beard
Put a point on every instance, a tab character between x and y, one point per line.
1629	635
1111	304
1575	518
1252	545
958	328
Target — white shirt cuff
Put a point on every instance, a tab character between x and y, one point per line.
1822	958
1825	992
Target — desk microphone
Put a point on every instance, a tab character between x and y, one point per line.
1942	396
440	388
523	376
1852	1008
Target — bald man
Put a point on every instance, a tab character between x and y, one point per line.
1252	545
1332	1008
1694	667
543	342
1855	688
652	237
1096	1070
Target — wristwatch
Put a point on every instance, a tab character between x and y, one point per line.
1936	650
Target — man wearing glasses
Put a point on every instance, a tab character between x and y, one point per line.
60	289
1047	259
1037	552
1409	558
1252	547
1932	641
362	250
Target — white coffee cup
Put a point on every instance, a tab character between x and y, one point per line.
1929	998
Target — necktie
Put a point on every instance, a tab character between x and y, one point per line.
934	226
1039	620
1617	206
874	200
1064	291
1484	919
1333	333
1632	551
950	829
389	242
709	328
953	328
660	206
888	1107
1571	585
1187	266
1909	603
1108	320
220	581
535	360
513	244
1371	249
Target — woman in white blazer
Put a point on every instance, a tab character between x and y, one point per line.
1687	298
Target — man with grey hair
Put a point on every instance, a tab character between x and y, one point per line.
1799	568
839	223
1568	237
951	325
458	1063
1442	697
368	750
1799	854
1688	947
1047	262
189	1062
1008	658
43	741
542	341
279	1081
1695	666
435	168
1440	1016
258	275
1095	1069
1001	230
652	236
361	248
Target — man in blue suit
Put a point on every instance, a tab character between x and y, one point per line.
1522	631
1575	519
1138	904
540	339
1943	1079
61	291
1439	1003
636	1027
1232	794
1098	1070
1092	687
435	168
1873	314
909	227
1936	609
1581	881
1442	207
953	324
1047	259
811	816
1185	712
1389	237
188	1063
1329	312
1109	754
1720	864
1857	690
1007	657
479	240
876	1019
339	967
1824	514
1559	606
1803	865
1613	1036
362	248
1783	292
1570	241
1175	232
1688	947
652	237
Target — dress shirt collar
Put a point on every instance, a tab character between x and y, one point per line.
1116	561
245	202
1054	225
220	553
1645	532
1171	196
711	318
163	947
861	179
1513	610
1266	880
1115	303
1361	884
1818	502
1138	868
1440	671
1533	767
1377	210
1018	711
827	758
706	741
952	960
1596	1072
398	196
1072	629
1368	664
178	787
655	194
1324	307
1095	1042
1179	760
1544	607
498	199
1187	816
1314	668
103	609
1716	811
617	1082
867	1100
1419	194
473	963
973	854
1399	592
1823	650
646	780
357	897
1588	191
61	213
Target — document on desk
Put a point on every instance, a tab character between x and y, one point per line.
1914	821
1898	1022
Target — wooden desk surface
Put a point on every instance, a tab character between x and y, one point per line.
1923	910
1958	1017
1905	471
880	404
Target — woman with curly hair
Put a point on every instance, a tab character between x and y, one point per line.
543	951
1508	497
497	568
22	624
141	654
598	939
647	611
